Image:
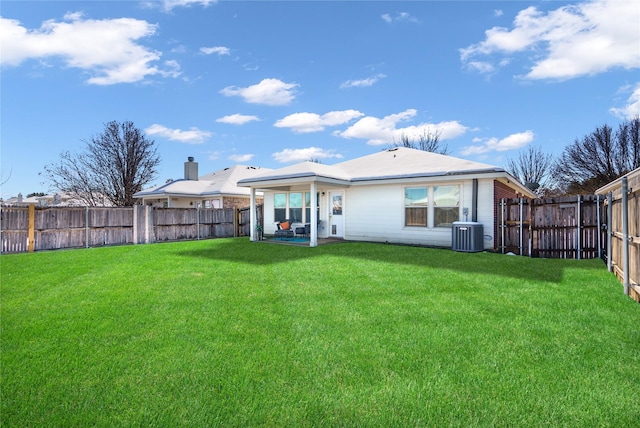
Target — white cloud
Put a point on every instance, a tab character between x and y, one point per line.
399	17
574	40
192	136
481	66
384	131
107	49
218	50
498	13
362	82
302	123
169	5
632	107
511	142
301	155
237	119
241	158
272	92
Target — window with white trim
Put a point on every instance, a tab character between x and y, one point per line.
295	206
416	206
446	205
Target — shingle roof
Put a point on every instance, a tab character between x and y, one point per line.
222	182
395	163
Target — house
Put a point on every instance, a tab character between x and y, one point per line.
49	200
217	189
399	195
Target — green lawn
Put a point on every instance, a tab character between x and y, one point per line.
232	333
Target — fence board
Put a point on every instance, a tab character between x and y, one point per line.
73	227
565	227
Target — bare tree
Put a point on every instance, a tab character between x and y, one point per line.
114	165
428	141
599	158
532	168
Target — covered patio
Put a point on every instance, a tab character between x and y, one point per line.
308	177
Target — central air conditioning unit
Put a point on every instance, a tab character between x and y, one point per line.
467	236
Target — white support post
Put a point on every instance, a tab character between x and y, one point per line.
313	233
252	215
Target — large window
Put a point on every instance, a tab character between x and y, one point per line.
446	203
279	206
416	205
295	206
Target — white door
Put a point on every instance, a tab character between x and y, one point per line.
336	213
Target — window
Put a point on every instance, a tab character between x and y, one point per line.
446	202
416	204
292	206
295	207
279	206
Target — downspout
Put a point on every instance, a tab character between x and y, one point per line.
474	200
599	226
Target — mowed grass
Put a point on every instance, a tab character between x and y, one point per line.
232	333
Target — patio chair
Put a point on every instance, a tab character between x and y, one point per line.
285	231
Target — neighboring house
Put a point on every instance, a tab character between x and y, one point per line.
51	200
218	189
399	195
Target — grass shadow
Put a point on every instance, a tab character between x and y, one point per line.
240	250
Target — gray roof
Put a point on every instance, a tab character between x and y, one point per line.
395	163
222	182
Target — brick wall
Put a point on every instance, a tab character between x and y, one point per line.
500	191
238	202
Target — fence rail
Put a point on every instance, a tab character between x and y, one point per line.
35	229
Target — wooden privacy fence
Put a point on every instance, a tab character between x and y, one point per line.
623	237
567	227
34	228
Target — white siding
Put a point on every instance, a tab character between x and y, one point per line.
376	213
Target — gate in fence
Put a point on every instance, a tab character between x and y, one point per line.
567	227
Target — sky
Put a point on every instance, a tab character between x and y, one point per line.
268	83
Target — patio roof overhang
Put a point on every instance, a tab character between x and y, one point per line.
291	181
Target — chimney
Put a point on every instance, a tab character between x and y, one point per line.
191	169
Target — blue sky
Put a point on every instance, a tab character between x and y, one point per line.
274	83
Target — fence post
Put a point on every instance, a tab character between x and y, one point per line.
609	230
531	209
236	222
502	223
579	229
625	234
31	235
521	225
135	223
198	219
86	227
